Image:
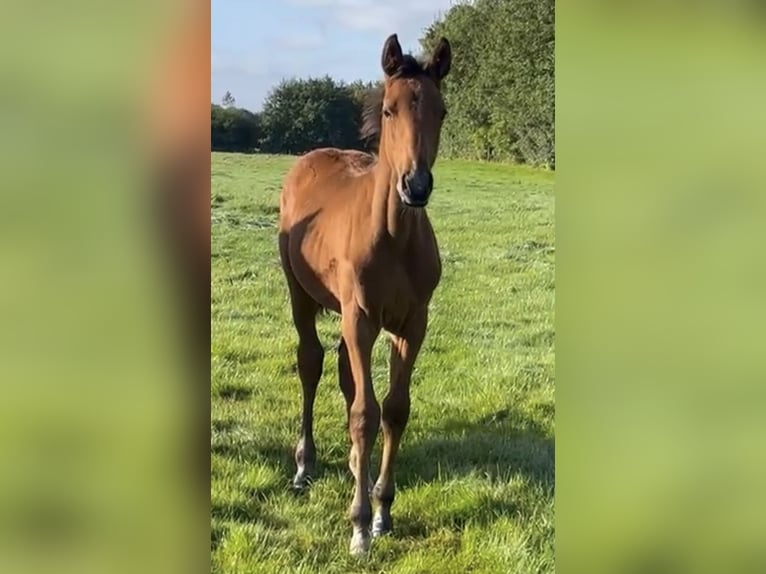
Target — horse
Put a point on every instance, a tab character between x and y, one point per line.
354	239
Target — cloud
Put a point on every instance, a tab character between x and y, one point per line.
297	41
302	38
245	66
407	18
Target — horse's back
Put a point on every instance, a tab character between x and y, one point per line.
318	179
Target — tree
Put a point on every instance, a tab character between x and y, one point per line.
300	115
234	129
500	90
228	100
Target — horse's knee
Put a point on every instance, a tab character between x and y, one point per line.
360	512
364	420
384	492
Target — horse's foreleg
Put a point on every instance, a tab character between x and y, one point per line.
396	412
363	420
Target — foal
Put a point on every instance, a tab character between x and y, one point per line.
355	238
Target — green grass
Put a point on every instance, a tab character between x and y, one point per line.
475	478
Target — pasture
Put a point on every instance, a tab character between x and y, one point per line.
475	473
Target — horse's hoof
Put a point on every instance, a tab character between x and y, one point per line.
382	525
301	481
360	544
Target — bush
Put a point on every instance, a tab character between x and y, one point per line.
500	90
301	115
234	129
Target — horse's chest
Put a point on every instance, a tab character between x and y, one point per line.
395	292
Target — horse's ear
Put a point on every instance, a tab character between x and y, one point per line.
392	57
441	59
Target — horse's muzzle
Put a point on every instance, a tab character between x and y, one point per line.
415	187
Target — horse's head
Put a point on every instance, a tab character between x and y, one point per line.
411	113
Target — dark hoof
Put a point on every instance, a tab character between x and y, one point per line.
382	524
302	481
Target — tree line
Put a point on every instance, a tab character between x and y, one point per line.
499	93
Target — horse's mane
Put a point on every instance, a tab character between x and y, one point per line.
410	67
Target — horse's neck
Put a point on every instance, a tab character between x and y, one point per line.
389	217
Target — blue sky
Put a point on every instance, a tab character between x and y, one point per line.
256	43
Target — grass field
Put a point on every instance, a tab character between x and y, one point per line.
475	475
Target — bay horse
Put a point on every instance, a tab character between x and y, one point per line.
354	238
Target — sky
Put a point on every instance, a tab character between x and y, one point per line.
257	43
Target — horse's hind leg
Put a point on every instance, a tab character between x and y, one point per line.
310	361
345	378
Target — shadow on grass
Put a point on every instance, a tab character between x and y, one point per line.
497	445
250	450
246	512
232	392
250	509
217	533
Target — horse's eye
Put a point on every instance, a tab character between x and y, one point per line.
387	112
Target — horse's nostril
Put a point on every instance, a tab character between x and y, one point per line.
419	182
404	182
